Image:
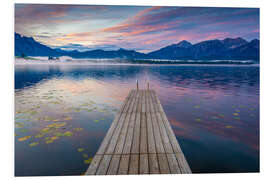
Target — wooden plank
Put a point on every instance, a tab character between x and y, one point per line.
132	102
153	164
155	103
171	135
107	138
143	137
129	103
130	94
122	136
173	164
114	124
150	134
163	164
143	102
112	144
113	167
135	147
147	107
144	166
184	167
156	130
150	102
123	166
129	136
140	140
110	132
94	165
104	164
138	99
134	164
165	139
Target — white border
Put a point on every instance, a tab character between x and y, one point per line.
7	83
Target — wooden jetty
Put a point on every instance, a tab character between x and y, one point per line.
139	141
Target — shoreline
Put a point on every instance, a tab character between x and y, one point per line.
20	61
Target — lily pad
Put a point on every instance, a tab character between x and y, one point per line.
33	144
67	118
68	133
85	155
228	127
54	137
237	110
88	161
236	118
96	121
80	149
45	130
39	135
78	129
49	141
236	114
198	119
59	134
24	138
197	106
56	125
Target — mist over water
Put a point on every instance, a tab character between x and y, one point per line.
63	112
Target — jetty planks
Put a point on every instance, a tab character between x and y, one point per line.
139	141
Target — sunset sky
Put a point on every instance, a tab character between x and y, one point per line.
141	28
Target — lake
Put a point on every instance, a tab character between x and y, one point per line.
62	113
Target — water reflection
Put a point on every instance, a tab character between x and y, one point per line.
214	112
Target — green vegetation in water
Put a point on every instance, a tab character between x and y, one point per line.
68	133
198	119
85	155
88	161
78	129
80	149
33	144
24	138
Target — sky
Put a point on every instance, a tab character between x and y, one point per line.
141	28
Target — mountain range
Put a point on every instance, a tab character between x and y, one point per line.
227	49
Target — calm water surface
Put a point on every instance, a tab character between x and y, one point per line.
63	112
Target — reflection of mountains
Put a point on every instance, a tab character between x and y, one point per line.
208	76
30	75
180	76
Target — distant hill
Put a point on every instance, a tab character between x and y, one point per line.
227	49
30	47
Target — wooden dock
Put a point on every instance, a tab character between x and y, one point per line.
139	141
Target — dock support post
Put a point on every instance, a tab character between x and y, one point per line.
147	85
137	84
